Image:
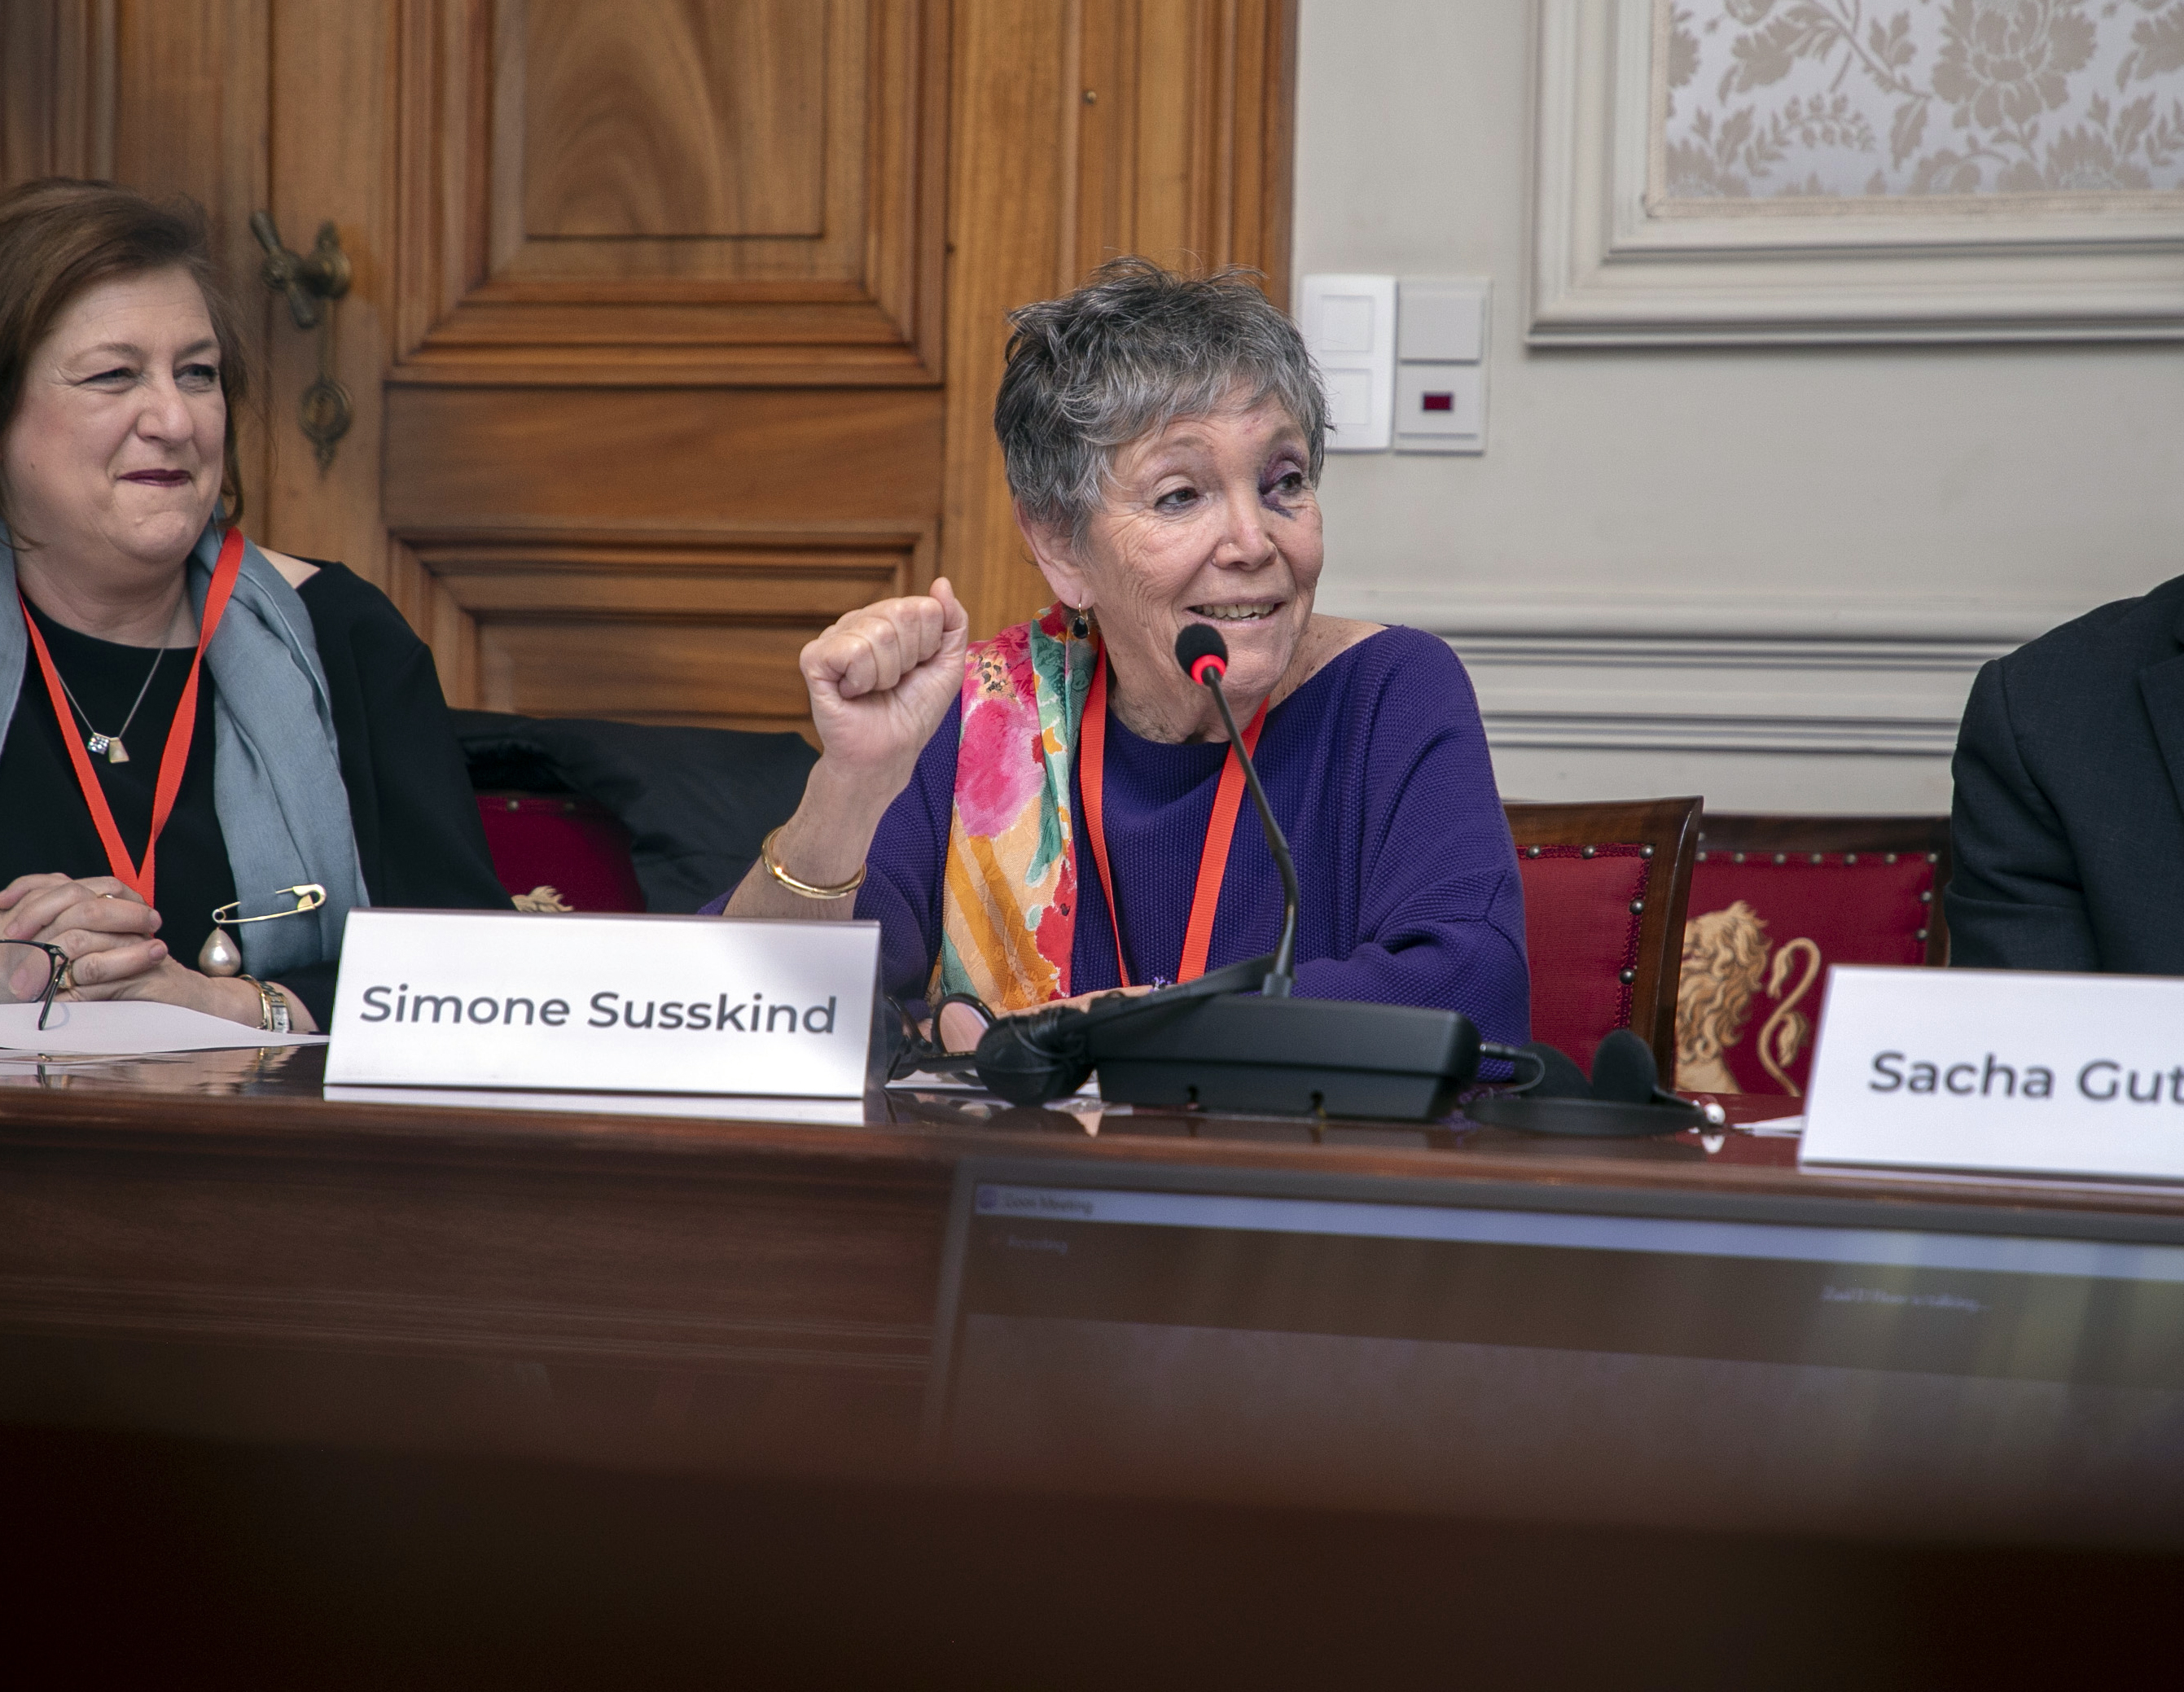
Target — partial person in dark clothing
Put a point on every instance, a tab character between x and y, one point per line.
187	723
2068	825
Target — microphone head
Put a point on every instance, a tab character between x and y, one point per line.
1622	1069
1201	650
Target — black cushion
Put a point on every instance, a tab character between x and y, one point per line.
697	801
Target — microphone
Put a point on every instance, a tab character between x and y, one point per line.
1204	656
1208	1044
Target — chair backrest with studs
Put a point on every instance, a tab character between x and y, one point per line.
1776	902
1605	889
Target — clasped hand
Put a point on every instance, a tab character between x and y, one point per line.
110	934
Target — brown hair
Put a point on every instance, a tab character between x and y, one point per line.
59	237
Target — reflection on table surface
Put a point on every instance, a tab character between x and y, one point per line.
237	1071
297	1073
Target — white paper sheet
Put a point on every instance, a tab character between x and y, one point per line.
132	1027
848	1113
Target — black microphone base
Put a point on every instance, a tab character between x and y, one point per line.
1304	1057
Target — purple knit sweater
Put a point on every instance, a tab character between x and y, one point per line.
1378	771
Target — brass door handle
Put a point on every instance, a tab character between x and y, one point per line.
306	280
326	411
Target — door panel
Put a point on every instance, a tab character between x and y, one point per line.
729	190
676	324
490	459
656	120
663	404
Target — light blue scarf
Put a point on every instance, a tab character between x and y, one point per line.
276	765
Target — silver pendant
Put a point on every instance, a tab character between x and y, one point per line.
98	743
219	954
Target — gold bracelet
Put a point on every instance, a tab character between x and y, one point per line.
805	889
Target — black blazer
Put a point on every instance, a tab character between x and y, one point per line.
2068	820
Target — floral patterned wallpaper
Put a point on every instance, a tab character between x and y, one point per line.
1759	99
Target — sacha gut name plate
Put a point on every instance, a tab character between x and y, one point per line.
613	1003
2001	1071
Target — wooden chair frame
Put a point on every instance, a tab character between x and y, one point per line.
1782	838
1668	829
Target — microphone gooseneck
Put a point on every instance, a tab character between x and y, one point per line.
1208	1044
1204	656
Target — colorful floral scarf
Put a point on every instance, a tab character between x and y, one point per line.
1008	908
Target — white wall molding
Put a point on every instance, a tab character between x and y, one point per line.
1785	696
1705	619
1790	676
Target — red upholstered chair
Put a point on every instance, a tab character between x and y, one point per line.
1776	901
625	816
563	853
1605	887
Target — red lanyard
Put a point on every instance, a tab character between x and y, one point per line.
179	732
1212	863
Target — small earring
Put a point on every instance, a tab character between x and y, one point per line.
1080	627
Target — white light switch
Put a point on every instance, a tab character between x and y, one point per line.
1440	376
1349	325
1444	322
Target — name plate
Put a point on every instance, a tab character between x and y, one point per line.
630	1003
1999	1071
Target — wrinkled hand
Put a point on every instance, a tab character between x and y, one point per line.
109	931
883	677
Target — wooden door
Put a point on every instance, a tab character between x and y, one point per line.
676	324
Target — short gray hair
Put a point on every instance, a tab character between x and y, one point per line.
1134	348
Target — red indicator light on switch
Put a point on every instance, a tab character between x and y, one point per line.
1437	402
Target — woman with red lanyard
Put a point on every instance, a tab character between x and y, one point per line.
187	725
1054	812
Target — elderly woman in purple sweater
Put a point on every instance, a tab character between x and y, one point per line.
1054	813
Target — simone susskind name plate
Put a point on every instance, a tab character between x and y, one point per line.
636	1003
1999	1070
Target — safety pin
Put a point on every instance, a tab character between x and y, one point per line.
309	897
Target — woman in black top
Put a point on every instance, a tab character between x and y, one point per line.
317	748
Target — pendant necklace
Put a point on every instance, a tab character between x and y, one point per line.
110	744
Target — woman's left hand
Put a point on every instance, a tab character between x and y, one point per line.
110	936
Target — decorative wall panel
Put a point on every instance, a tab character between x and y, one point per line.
1841	99
1801	171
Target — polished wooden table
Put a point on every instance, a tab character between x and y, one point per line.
209	1245
479	1366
